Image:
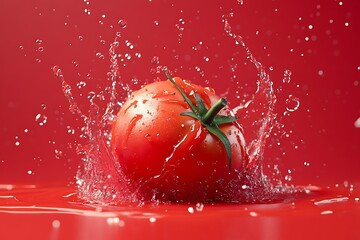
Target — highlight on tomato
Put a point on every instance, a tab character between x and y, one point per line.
179	142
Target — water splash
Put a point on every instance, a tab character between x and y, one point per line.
258	118
260	109
100	178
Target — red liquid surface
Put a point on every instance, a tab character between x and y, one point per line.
319	145
54	212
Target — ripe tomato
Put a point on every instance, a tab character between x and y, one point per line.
170	156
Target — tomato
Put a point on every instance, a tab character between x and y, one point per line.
172	156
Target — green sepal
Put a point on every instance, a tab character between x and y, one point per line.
190	114
220	119
214	129
200	105
208	117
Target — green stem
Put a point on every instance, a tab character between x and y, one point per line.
214	110
208	118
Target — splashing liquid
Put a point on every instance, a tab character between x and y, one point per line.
259	117
100	178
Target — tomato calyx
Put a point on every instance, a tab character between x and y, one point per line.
209	118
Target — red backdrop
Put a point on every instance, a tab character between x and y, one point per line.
316	40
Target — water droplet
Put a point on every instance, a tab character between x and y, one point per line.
115	221
227	27
58	154
81	38
41	49
191	210
91	96
56	224
155	60
156	22
21	47
357	123
38	60
253	214
17	143
41	119
152	219
38	41
287	76
99	55
80	149
57	71
70	130
239	40
129	44
122	23
81	84
288	178
199	207
292	103
135	81
30	172
321	73
326	212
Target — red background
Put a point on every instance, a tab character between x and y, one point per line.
275	31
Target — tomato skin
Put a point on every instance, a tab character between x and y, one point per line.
174	157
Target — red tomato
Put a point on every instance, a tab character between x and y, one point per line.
171	157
